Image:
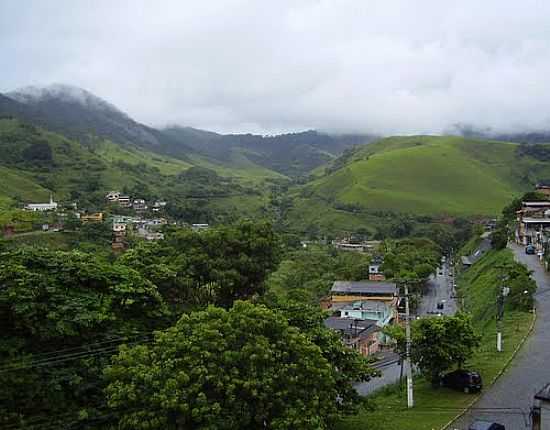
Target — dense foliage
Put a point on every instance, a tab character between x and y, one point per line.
63	314
441	342
216	369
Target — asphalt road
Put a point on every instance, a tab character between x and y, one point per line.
439	289
509	400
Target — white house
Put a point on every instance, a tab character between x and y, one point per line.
42	207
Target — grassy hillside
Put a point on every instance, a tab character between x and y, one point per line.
430	175
36	162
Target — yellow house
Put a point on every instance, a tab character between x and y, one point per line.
95	217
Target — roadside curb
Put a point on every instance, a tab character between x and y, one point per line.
499	374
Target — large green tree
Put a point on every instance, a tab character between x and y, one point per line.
62	315
442	342
217	266
242	368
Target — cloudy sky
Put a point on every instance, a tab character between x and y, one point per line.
272	66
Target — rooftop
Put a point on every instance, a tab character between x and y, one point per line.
366	287
351	326
537	203
536	220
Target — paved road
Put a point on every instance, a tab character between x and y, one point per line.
509	400
390	375
439	289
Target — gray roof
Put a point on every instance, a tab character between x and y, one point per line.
352	326
366	287
544	394
541	203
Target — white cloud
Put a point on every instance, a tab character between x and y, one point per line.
235	65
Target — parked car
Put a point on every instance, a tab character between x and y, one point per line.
486	425
463	380
530	249
441	304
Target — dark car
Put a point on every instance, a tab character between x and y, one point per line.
440	305
530	249
463	380
486	425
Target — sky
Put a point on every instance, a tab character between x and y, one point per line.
386	67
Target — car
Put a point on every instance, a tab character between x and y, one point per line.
530	250
486	425
468	381
441	304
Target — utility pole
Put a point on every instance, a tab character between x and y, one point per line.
503	292
410	400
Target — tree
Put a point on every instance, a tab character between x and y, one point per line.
441	342
227	263
499	237
63	314
224	369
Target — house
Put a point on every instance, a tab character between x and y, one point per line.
199	227
541	409
94	217
124	201
159	205
378	311
42	207
358	334
544	188
354	291
533	225
119	228
139	205
113	196
375	273
345	246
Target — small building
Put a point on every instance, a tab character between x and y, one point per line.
119	228
199	227
42	207
93	217
378	311
159	205
345	246
354	291
139	205
358	334
124	201
541	409
544	188
113	196
375	273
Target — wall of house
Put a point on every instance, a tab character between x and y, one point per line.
545	416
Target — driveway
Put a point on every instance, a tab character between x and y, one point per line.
509	400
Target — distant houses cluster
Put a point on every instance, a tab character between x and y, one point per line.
138	204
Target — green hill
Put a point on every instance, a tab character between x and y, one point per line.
35	162
430	175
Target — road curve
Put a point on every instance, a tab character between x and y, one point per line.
509	400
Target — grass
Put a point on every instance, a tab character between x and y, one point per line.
436	407
430	175
112	152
